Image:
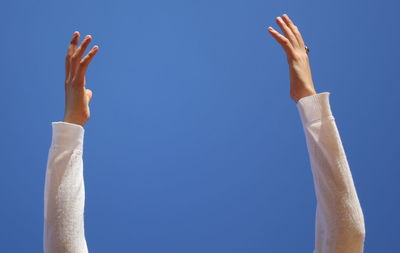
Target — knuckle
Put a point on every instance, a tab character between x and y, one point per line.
75	56
297	30
83	61
82	66
286	42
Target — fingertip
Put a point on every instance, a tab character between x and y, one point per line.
75	38
288	19
95	49
88	38
89	93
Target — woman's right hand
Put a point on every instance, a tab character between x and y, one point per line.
301	83
77	97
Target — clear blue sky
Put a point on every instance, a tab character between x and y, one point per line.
194	144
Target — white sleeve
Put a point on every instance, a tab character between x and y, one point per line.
64	196
339	219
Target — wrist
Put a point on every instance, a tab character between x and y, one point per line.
74	119
299	94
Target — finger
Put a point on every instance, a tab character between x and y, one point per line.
286	30
76	58
294	28
71	50
89	94
84	63
282	40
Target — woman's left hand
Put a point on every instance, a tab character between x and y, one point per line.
301	83
77	97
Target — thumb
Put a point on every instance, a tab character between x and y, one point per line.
89	94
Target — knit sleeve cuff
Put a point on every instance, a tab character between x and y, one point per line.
314	107
67	135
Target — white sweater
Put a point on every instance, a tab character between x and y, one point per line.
339	218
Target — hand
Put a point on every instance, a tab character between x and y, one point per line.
77	97
301	83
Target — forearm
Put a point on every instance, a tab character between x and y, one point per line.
340	221
64	191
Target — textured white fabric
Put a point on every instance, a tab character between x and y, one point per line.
339	218
64	197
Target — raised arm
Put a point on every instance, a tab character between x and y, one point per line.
339	218
64	196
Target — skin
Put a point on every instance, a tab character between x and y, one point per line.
77	97
301	83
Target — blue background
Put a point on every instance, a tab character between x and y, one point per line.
194	144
